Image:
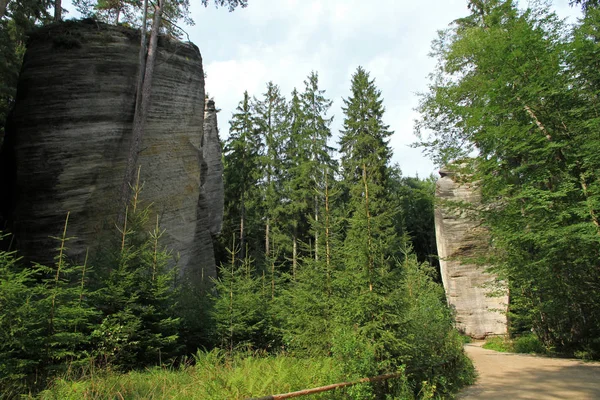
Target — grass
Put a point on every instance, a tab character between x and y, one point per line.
498	343
214	376
465	338
528	344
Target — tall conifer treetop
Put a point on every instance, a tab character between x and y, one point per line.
365	137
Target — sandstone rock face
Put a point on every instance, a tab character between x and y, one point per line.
466	285
212	180
68	136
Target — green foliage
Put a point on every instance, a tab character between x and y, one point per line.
230	4
433	352
20	327
64	299
416	198
242	174
214	375
365	137
308	310
138	298
527	343
498	343
47	319
129	13
520	88
22	17
240	307
358	357
194	311
308	163
272	126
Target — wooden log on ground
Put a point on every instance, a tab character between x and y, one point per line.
306	392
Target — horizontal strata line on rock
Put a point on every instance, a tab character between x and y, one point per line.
73	114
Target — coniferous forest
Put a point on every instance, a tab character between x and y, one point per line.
327	268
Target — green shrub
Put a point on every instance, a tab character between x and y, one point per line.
528	344
498	343
433	355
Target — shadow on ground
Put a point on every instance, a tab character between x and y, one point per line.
518	376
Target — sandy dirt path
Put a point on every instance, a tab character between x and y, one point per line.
518	376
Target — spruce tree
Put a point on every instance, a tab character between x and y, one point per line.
138	296
69	314
315	138
365	137
240	306
242	175
365	284
297	209
271	119
365	158
21	325
309	160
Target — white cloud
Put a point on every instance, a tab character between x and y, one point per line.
284	40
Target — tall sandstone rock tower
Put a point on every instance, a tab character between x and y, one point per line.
68	136
466	285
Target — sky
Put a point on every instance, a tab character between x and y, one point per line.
284	40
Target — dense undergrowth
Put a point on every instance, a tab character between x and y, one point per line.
213	375
528	344
217	375
121	325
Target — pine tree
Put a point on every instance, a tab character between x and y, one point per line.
308	324
365	137
367	295
315	137
46	320
240	307
309	160
241	176
365	158
21	325
295	188
65	300
138	296
271	119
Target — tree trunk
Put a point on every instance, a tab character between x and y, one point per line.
316	228
316	199
327	248
3	7
142	103
231	298
273	276
267	227
57	10
294	254
369	246
141	58
268	224
242	232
